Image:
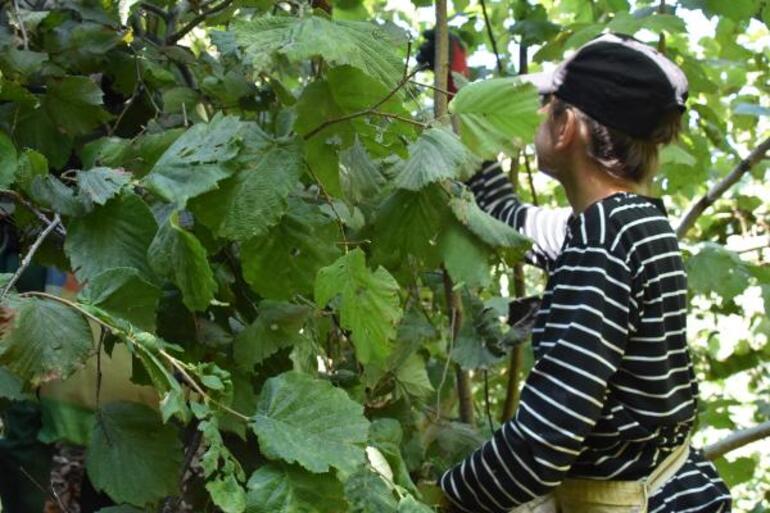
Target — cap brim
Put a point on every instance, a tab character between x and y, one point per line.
543	81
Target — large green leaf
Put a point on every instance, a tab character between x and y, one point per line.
46	341
177	254
101	183
114	235
277	326
360	44
125	293
369	303
11	387
254	199
367	492
409	223
196	161
308	421
436	155
285	260
280	488
8	161
465	257
227	494
74	104
495	112
36	130
716	269
132	456
489	230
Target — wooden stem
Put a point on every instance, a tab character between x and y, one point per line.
697	208
737	440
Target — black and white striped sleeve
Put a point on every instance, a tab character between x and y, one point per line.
583	342
545	226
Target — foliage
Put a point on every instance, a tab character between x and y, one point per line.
265	215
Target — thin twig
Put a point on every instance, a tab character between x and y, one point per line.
102	336
486	400
530	179
28	257
370	110
429	86
737	440
175	363
50	492
330	201
22	28
176	36
697	208
491	35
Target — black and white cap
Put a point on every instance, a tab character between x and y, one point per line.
620	82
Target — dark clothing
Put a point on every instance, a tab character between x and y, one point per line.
612	391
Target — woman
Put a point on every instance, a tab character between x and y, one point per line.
605	414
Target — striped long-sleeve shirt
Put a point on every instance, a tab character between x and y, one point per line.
612	391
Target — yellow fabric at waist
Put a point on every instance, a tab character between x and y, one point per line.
601	496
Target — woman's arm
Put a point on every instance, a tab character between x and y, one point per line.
563	396
545	226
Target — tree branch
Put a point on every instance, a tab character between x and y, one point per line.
492	39
22	28
154	9
441	61
371	110
28	257
737	440
176	36
697	208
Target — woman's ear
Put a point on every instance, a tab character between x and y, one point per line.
567	130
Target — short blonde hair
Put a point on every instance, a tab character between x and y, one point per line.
621	155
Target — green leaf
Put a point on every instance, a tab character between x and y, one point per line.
196	161
277	326
101	183
465	257
36	130
47	340
494	112
360	44
280	488
367	492
254	199
716	269
360	177
369	307
489	230
675	154
227	494
409	223
737	471
412	378
124	439
8	161
177	254
123	292
308	421
121	509
74	104
11	387
438	154
31	165
285	260
410	505
51	192
114	235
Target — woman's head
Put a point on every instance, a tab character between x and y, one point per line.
633	159
617	96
